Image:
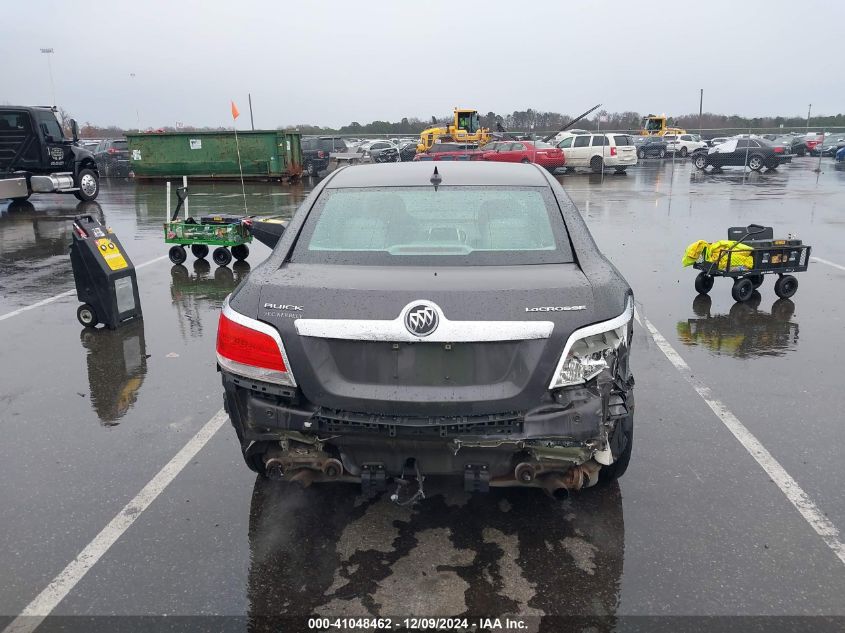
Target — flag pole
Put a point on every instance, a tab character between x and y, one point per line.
235	115
240	169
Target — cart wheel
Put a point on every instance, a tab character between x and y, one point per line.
221	256
177	254
756	280
742	289
200	251
87	315
703	283
786	286
240	252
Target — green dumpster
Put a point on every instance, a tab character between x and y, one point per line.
265	154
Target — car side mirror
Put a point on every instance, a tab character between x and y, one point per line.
74	129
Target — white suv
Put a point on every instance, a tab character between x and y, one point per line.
598	151
683	144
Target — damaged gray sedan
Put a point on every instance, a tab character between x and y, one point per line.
415	322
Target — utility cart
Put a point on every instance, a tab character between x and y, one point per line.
223	231
763	255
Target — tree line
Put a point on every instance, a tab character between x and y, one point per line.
523	121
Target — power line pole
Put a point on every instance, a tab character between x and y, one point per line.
48	52
251	122
135	91
700	110
809	108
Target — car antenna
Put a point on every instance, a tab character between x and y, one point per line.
435	178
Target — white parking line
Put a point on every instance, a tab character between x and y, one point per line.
63	584
824	261
66	293
788	486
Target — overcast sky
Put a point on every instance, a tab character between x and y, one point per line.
334	62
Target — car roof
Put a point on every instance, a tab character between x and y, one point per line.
413	174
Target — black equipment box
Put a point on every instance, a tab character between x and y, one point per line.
104	276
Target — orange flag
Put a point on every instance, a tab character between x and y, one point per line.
235	113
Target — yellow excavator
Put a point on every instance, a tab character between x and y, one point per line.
464	128
655	125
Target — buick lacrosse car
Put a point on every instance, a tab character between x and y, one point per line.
415	321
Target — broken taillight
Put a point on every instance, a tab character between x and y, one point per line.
252	349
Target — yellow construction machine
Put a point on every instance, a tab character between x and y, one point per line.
464	128
655	125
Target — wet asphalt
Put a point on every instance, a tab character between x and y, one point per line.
695	527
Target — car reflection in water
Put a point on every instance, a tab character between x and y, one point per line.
194	294
745	332
117	365
325	551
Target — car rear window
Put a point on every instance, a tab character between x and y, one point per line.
623	140
452	226
446	147
120	145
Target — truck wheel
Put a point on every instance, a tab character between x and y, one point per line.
684	152
700	161
703	283
597	164
177	254
756	163
87	315
200	251
786	286
607	474
240	252
221	256
311	169
89	185
742	290
662	153
641	153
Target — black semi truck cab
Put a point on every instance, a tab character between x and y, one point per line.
35	156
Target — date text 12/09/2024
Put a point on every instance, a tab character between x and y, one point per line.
457	625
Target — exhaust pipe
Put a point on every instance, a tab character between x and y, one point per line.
581	476
274	468
555	486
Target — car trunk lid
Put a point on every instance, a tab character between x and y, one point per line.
500	334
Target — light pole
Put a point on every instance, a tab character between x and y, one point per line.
48	52
135	92
809	108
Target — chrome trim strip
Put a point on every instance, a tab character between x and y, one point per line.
447	331
595	328
258	373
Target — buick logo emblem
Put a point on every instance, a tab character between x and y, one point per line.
421	319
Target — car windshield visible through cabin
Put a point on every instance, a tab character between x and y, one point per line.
422	226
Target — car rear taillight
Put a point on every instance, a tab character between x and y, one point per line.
321	154
251	349
613	151
112	150
778	150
